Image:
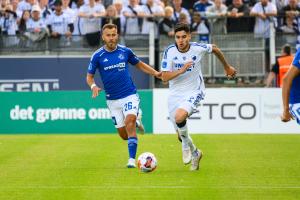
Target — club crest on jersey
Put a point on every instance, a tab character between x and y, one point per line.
164	65
184	58
121	56
194	58
175	58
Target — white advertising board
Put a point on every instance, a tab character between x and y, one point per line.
229	110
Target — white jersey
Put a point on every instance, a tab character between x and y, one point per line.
59	23
192	79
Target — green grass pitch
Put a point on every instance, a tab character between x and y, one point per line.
93	167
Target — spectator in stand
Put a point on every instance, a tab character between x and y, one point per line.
238	17
249	3
119	6
78	23
201	6
166	26
179	9
290	10
68	11
15	4
264	11
183	19
36	28
153	12
26	5
60	24
133	13
112	18
45	9
200	27
217	12
280	4
8	21
288	27
282	65
91	14
22	22
189	5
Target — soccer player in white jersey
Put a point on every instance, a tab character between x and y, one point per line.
181	66
111	61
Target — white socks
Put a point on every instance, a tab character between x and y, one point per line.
187	141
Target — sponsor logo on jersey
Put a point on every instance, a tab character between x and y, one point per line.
121	66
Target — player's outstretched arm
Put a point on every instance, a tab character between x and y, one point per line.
230	71
91	82
148	69
286	88
167	75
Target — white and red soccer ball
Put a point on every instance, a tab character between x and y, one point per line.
147	162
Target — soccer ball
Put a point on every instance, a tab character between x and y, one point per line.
147	162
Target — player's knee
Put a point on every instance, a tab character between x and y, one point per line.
179	119
181	124
130	121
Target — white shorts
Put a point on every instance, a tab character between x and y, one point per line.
188	102
295	111
120	108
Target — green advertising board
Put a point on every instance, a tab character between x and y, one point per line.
62	112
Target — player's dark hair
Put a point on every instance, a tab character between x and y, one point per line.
182	27
287	49
109	26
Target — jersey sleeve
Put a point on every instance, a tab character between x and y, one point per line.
93	65
166	63
132	58
296	61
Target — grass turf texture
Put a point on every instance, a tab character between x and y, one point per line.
93	167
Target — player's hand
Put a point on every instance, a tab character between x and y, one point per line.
186	66
230	72
95	91
286	116
158	75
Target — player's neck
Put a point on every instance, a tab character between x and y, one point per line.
109	49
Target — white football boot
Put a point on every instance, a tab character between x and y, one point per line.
196	160
131	163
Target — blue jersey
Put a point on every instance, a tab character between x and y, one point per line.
201	7
114	72
295	89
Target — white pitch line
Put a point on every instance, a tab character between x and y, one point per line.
150	187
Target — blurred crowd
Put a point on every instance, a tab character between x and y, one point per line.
36	19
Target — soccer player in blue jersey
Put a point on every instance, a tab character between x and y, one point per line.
111	61
291	91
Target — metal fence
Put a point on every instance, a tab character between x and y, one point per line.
20	45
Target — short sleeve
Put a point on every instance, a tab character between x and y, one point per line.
93	65
132	58
166	63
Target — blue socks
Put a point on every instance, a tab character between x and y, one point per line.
132	146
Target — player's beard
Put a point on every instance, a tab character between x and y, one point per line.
111	45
